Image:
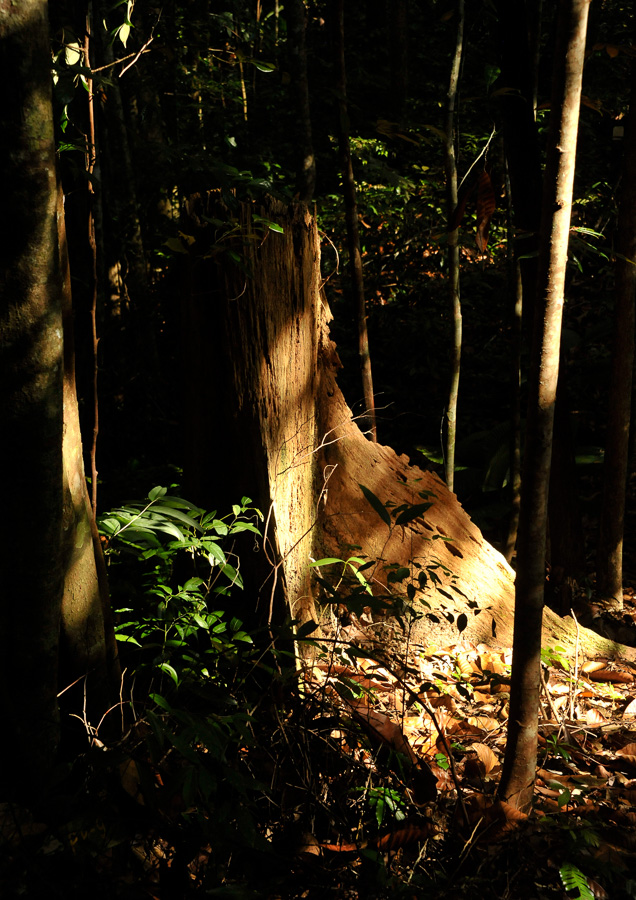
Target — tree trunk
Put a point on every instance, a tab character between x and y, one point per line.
31	376
271	423
351	216
253	338
89	648
609	565
518	775
453	253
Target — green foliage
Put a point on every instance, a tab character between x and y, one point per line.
574	880
179	623
386	803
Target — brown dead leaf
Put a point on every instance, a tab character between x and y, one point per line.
630	710
593	665
484	723
486	756
411	834
595	717
388	732
481	697
628	752
611	677
308	845
497	818
129	778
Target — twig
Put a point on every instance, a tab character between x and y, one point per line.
576	665
555	711
117	61
137	55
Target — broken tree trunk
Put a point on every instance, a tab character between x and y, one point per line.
271	423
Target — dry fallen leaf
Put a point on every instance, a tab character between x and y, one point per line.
630	710
486	756
594	717
628	753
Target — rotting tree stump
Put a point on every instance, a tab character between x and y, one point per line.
271	423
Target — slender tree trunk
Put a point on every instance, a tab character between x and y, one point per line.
517	782
31	376
524	190
297	52
453	253
89	648
351	215
609	565
514	485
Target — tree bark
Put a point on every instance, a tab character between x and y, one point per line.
88	646
518	775
273	424
31	379
453	253
609	565
254	339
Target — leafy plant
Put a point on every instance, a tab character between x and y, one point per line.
385	803
574	880
182	628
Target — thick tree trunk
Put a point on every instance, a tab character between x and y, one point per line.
251	334
31	372
517	783
271	423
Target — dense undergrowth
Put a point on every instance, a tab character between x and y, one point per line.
367	769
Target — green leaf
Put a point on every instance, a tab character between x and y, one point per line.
232	574
574	880
414	512
123	33
376	504
161	701
167	668
306	629
177	515
127	639
327	561
244	526
157	492
215	553
262	66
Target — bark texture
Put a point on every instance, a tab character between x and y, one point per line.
450	163
272	423
518	775
251	334
31	369
89	648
